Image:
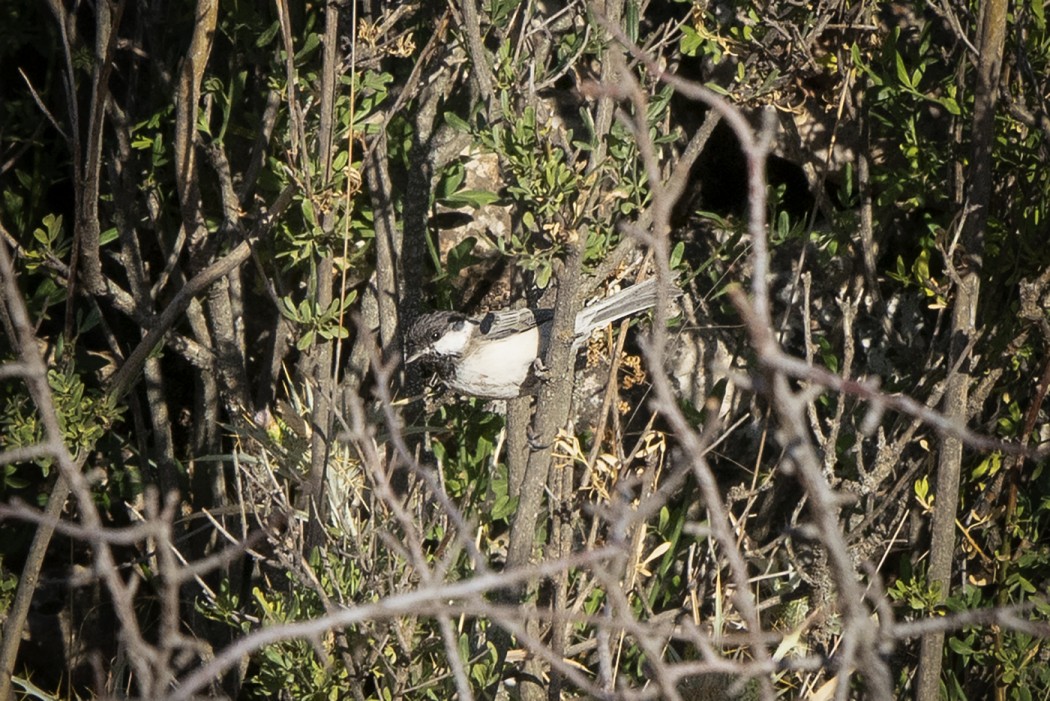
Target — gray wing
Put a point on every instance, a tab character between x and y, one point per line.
626	302
496	325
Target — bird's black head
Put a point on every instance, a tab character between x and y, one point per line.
438	335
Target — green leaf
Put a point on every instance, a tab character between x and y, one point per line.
1028	587
471	198
951	105
503	507
288	308
902	70
500	10
783	226
313	40
308	213
902	272
922	487
676	255
340	160
715	87
631	20
267	36
456	122
460	256
690	41
989	466
543	275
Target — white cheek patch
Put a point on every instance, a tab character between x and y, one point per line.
454	341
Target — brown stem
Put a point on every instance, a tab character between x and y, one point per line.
949	465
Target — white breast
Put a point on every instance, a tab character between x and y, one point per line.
497	369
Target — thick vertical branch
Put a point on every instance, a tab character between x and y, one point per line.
555	397
388	247
225	323
964	314
321	369
87	148
554	403
187	99
482	73
210	325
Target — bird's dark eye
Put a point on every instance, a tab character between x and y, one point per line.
435	335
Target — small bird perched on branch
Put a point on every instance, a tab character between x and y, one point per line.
495	355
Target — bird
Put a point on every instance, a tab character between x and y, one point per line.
498	354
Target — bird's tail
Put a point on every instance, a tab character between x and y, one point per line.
634	299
